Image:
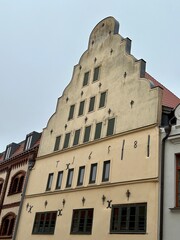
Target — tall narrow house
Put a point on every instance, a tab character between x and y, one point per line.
97	170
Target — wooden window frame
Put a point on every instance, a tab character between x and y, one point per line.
123	221
82	221
66	140
96	73
110	133
44	223
86	78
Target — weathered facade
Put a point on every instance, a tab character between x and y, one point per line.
13	168
97	171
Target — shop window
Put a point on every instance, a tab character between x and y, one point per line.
17	181
7	225
82	221
128	218
44	223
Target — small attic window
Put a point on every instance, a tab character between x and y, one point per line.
8	152
151	84
28	142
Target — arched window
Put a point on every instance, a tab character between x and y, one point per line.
7	225
1	185
17	182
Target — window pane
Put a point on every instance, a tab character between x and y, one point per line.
132	218
110	128
57	143
69	178
49	182
98	130
81	176
106	169
92	178
66	140
87	134
86	78
81	108
102	100
59	180
91	104
71	112
96	74
76	137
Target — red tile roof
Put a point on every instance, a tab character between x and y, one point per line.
169	98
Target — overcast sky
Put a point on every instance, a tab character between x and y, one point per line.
41	41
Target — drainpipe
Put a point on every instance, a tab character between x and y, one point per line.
167	131
31	164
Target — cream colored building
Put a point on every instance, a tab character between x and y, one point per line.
97	171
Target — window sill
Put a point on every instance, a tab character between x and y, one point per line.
175	209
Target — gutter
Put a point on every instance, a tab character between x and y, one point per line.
31	164
167	131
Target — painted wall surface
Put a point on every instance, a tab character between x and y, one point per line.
171	217
133	149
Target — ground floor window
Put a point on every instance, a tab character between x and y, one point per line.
128	218
44	223
82	221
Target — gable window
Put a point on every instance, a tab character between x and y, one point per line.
66	140
98	130
1	185
49	182
96	74
106	170
8	152
86	79
44	223
81	108
7	225
91	104
93	171
128	218
76	137
102	101
69	177
57	143
177	180
71	112
59	180
82	221
87	134
110	128
17	183
28	142
81	176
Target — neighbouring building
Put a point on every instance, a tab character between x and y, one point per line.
171	179
97	171
13	168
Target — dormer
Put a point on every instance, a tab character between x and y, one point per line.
10	150
31	139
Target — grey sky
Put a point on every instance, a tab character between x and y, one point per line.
41	41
